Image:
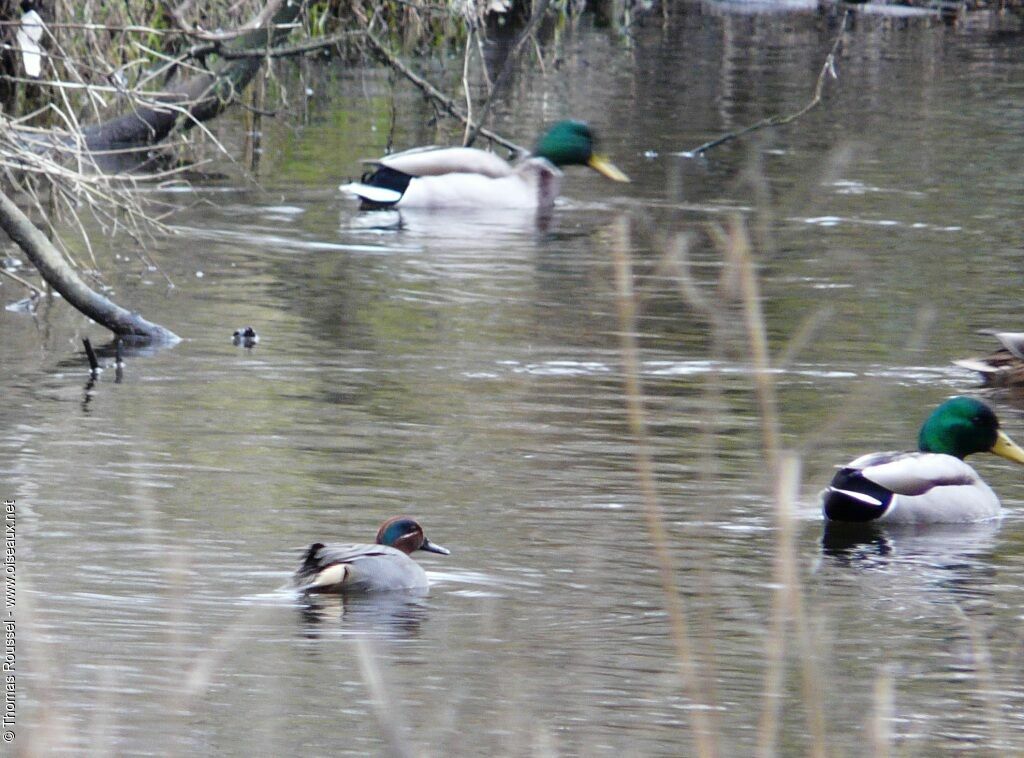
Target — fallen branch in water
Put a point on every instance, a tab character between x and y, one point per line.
59	274
827	68
63	159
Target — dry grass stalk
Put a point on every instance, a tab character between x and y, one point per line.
986	684
879	728
385	705
866	394
705	740
784	471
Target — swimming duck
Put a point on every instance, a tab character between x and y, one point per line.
385	565
1004	367
932	485
464	177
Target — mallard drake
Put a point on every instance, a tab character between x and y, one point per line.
385	565
464	177
932	485
1004	367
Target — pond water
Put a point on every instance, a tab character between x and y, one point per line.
467	370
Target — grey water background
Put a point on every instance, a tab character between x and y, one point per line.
466	369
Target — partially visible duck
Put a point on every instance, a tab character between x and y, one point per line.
464	177
245	337
1004	367
385	565
932	485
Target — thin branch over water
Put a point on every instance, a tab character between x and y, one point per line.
828	68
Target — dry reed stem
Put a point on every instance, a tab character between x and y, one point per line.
803	335
880	726
784	470
986	684
675	263
705	740
465	84
51	733
867	392
385	705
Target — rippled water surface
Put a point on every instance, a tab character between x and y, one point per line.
467	370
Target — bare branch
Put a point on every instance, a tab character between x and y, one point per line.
506	69
59	274
828	68
446	103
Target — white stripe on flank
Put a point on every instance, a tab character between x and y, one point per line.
858	496
371	193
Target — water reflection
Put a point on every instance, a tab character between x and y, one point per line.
954	557
109	355
397	614
459	226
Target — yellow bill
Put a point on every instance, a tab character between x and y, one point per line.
1007	448
605	167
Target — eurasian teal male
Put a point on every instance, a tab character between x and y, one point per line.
368	568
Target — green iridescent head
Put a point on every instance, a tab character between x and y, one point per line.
405	534
572	143
962	426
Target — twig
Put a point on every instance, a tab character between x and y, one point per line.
94	365
123	28
439	98
58	273
465	85
828	68
262	19
506	70
36	292
301	48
